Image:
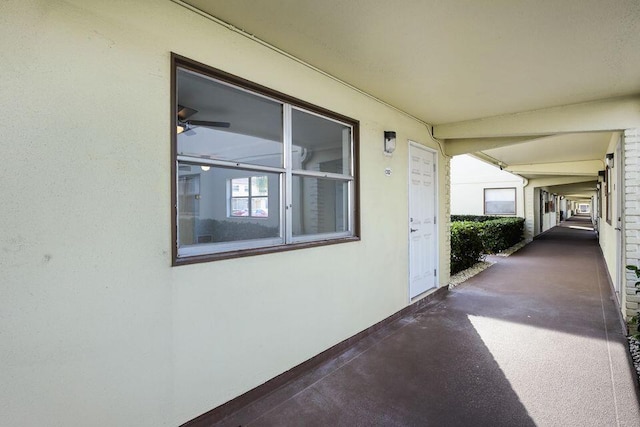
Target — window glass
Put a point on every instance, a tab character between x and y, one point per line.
202	206
319	206
320	144
500	201
236	187
220	122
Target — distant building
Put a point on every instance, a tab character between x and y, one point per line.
479	188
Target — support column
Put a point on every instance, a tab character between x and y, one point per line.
529	211
631	209
446	164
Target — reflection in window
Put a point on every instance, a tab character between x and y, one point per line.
319	206
202	206
255	170
249	197
320	144
226	123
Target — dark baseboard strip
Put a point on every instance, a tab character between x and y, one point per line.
218	414
619	310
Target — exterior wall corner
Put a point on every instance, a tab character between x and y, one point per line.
631	218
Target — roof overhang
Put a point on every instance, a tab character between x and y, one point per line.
537	88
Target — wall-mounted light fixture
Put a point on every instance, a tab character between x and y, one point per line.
389	142
600	176
609	160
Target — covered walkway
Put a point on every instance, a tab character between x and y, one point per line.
533	340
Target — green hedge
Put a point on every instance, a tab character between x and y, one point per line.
476	218
231	231
470	240
466	245
500	234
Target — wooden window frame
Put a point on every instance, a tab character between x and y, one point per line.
178	61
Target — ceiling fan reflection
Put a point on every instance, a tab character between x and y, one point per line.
185	125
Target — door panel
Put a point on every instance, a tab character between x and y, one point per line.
422	224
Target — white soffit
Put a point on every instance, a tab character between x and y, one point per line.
451	61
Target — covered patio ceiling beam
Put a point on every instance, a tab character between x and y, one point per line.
581	168
562	180
575	188
597	116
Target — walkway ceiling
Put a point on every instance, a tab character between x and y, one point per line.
538	87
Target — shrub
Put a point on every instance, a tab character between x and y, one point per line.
475	218
470	240
466	245
500	234
230	231
635	320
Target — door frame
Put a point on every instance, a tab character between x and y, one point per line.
436	201
619	220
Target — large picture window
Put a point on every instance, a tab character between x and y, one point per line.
256	170
499	201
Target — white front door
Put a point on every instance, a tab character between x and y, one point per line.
422	219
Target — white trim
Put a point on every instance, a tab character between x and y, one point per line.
320	237
287	193
228	164
327	175
215	248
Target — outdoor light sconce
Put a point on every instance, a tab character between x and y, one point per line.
389	142
600	176
609	160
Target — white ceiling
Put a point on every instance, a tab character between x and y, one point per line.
447	62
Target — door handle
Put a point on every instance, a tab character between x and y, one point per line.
413	230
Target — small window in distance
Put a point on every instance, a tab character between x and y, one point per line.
249	197
499	201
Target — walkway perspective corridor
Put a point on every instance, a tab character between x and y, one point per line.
533	340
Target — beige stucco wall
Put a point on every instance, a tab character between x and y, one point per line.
607	231
97	328
469	178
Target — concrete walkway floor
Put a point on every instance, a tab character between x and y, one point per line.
533	340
